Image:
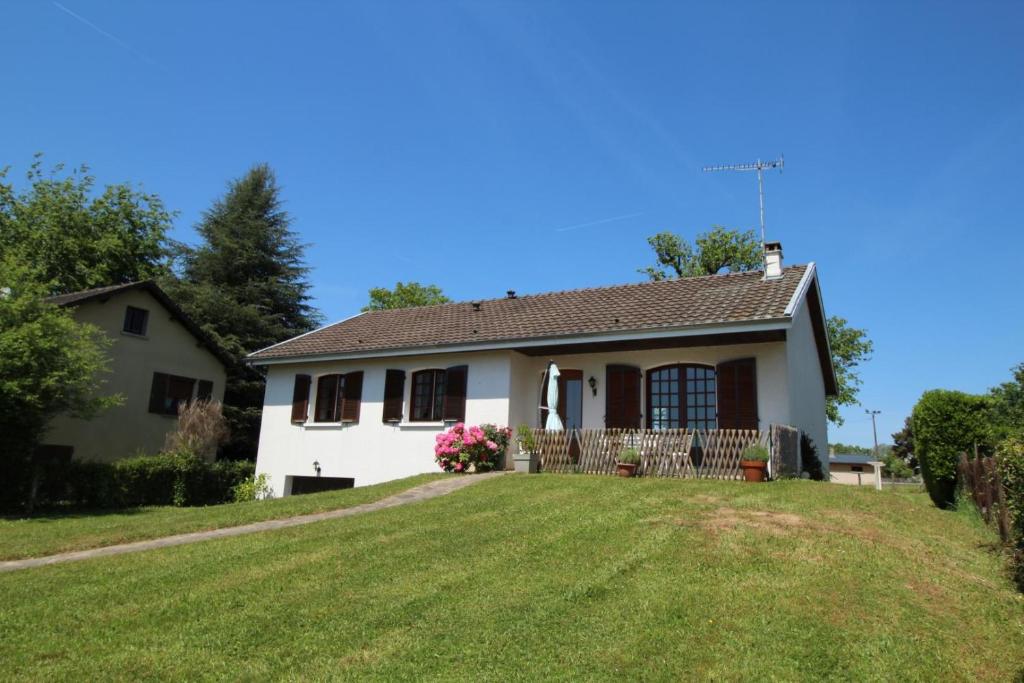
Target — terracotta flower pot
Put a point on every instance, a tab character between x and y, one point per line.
626	469
754	470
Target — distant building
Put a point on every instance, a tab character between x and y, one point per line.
160	358
858	470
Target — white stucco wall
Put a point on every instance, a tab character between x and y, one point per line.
370	451
503	388
167	347
806	384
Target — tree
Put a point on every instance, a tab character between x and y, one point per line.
49	365
903	445
405	295
946	424
850	347
1008	406
717	249
895	467
246	285
847	448
78	240
741	251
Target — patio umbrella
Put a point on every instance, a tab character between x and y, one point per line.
554	422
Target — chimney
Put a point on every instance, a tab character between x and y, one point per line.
510	294
772	260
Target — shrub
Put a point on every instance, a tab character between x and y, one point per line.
1010	461
202	429
629	456
755	452
166	479
946	424
809	460
252	488
471	449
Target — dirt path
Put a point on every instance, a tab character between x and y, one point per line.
413	495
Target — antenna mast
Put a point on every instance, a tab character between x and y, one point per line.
760	167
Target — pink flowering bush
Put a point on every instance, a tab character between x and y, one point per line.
472	448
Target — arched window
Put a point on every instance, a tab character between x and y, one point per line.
681	396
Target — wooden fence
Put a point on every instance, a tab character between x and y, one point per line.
687	453
981	480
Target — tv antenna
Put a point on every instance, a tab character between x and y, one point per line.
760	167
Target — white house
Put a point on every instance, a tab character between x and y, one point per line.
361	401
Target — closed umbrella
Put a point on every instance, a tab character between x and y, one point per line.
554	421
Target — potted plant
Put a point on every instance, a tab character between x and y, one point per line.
526	458
629	458
754	462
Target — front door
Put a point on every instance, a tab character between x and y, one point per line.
570	406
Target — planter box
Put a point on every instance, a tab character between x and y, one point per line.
525	462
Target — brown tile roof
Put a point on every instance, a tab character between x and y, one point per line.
716	299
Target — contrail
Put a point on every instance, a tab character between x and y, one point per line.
109	36
603	220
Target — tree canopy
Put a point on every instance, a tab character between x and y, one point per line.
77	239
405	295
246	285
711	252
49	365
850	347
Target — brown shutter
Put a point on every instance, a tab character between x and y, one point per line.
158	392
205	390
394	392
455	393
622	397
352	396
300	398
737	394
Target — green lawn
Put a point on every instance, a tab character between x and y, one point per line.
546	577
47	535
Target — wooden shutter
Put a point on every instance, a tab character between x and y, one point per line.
158	392
205	390
300	398
737	394
394	392
622	397
351	392
455	393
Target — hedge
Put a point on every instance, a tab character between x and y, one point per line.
946	424
165	479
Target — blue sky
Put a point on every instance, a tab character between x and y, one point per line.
534	146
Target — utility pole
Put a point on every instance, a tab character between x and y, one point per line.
874	430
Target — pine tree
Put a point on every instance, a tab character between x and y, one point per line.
246	285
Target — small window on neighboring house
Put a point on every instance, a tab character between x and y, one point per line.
204	392
136	320
857	468
168	392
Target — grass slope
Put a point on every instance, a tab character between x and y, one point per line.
48	535
539	577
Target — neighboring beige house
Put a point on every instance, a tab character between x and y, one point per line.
159	358
857	470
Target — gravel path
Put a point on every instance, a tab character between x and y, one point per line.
413	495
